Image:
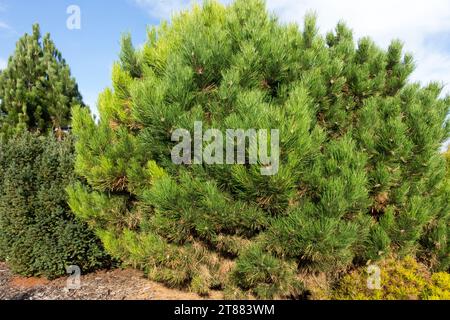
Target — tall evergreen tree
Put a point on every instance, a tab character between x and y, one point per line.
360	172
37	91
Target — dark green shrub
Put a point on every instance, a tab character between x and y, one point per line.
39	235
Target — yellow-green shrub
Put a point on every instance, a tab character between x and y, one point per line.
439	289
404	279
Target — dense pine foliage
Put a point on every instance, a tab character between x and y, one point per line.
360	178
37	91
39	235
436	242
447	158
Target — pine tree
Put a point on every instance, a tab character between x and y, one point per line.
360	173
447	158
436	240
37	91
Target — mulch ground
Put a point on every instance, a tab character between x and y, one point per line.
116	284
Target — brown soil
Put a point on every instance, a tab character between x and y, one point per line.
117	284
27	283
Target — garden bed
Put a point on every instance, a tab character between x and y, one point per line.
117	284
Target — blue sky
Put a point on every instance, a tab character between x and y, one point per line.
89	51
424	26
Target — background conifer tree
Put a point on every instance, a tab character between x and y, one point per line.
360	174
37	91
39	235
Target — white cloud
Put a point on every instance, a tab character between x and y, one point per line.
90	99
412	21
163	9
4	25
423	26
3	64
6	29
446	146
